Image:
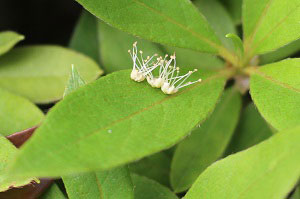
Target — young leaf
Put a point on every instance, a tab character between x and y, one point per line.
7	153
113	43
267	170
40	73
85	36
207	143
160	21
87	127
156	167
149	189
280	53
238	44
275	90
53	193
218	18
269	24
17	113
75	81
8	39
252	129
115	183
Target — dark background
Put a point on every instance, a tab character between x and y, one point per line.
41	21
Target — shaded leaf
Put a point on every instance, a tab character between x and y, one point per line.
238	44
275	90
234	8
207	143
85	36
267	170
75	81
269	24
40	73
115	183
156	167
17	113
53	193
19	138
171	22
87	127
252	129
7	153
296	194
149	189
8	39
113	45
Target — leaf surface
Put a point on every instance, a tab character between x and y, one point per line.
270	24
87	127
207	143
53	193
17	113
40	73
275	89
8	39
267	170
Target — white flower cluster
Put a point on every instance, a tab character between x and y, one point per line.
168	78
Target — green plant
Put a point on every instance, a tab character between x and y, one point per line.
113	134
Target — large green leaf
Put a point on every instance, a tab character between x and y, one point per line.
85	36
156	167
275	89
252	129
112	184
171	22
267	170
17	113
149	189
53	193
280	53
114	45
85	131
270	24
8	39
40	73
218	18
7	153
207	143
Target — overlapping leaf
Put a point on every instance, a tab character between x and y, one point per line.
53	193
8	39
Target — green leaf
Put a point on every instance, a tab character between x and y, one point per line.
186	57
85	131
296	194
149	189
75	81
53	193
267	170
218	18
17	113
281	53
238	44
85	36
156	167
8	39
234	7
269	24
275	90
113	45
115	183
40	73
207	143
7	153
171	22
252	129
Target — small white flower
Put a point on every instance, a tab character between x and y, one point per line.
141	68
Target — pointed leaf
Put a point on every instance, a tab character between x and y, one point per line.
40	73
275	89
115	183
53	193
75	81
149	189
87	127
252	129
238	44
207	143
267	170
269	24
8	39
17	113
